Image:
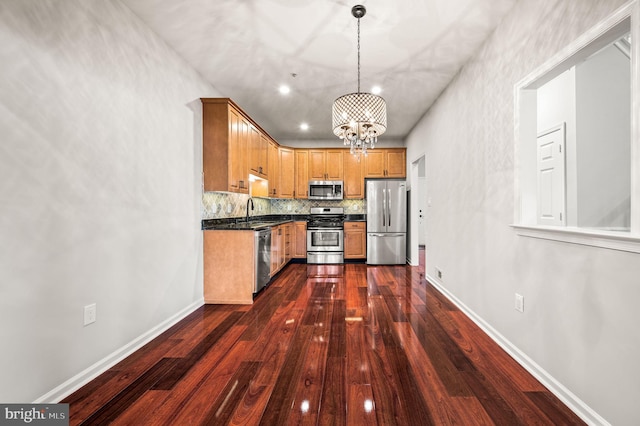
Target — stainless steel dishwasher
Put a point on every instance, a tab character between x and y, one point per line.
263	258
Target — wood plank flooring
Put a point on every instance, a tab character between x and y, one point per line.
340	345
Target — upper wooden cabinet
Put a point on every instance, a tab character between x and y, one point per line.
258	153
326	164
385	162
286	173
353	176
225	138
302	174
273	164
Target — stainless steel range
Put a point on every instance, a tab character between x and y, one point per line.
325	235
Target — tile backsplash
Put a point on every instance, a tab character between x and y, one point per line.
217	205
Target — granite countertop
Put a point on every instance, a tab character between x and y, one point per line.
262	222
255	222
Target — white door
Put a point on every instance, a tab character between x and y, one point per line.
551	176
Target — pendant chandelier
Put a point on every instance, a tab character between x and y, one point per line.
359	118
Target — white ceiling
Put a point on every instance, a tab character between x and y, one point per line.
248	48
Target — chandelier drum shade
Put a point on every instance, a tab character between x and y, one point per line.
359	118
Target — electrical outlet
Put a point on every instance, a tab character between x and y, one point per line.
229	208
90	314
438	273
519	303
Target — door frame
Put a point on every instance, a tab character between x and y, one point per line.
413	249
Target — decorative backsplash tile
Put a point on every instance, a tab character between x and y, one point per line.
217	205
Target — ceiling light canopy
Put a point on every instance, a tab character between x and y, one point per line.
284	89
359	118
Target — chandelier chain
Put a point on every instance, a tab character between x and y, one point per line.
358	55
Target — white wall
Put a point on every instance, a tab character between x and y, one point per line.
100	165
580	319
603	111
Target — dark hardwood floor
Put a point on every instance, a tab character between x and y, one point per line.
341	345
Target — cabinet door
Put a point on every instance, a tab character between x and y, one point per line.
240	164
238	143
300	242
287	242
274	170
353	176
333	164
257	152
396	164
302	174
317	164
374	166
254	151
287	163
281	246
275	253
355	240
263	156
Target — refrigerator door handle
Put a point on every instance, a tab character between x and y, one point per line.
389	205
384	208
377	235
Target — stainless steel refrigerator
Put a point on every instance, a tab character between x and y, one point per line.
386	222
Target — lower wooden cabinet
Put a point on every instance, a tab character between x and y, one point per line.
281	251
229	271
300	240
355	240
286	237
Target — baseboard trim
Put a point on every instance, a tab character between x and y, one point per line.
578	406
84	377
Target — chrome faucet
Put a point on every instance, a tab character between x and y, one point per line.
249	201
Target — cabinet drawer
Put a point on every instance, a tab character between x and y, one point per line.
355	225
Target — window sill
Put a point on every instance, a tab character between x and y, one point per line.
613	240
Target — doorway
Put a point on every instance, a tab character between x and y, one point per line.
418	208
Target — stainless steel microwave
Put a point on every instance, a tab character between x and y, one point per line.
325	189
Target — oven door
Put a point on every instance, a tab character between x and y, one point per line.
325	239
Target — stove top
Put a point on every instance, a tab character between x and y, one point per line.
326	218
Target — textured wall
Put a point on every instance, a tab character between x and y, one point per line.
217	205
100	166
580	319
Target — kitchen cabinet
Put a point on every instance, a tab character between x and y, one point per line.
353	176
325	164
355	240
225	138
229	271
258	153
275	250
280	247
300	240
301	174
273	164
385	163
286	173
287	243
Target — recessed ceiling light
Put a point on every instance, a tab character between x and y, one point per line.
304	126
284	90
376	90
